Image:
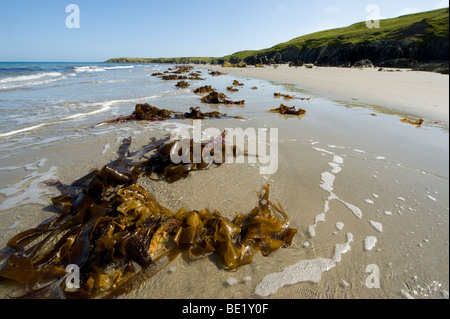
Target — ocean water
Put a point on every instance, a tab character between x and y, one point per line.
362	190
36	95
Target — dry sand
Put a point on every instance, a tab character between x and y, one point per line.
424	94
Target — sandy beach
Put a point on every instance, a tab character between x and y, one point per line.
362	188
425	94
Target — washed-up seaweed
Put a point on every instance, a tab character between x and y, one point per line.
204	89
173	74
173	77
147	112
288	97
195	76
232	89
118	235
179	69
216	73
408	121
219	98
237	83
283	109
182	85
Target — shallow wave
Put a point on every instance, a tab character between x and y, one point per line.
119	67
93	107
19	85
92	68
23	78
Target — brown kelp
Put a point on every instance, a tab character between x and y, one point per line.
216	73
219	98
174	74
283	109
147	112
418	122
232	89
182	85
237	83
204	89
195	76
288	97
117	235
173	77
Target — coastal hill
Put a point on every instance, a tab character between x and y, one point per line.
418	40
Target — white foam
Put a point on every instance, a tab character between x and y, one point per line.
338	160
119	67
24	78
34	166
339	225
303	271
54	76
28	190
378	226
336	168
322	150
359	151
232	281
22	130
10	168
370	242
107	145
80	69
369	201
312	230
327	181
320	218
95	68
432	198
355	210
106	107
388	213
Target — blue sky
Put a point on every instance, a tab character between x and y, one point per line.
36	30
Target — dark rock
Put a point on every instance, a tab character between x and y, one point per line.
277	57
364	63
406	53
291	54
438	67
298	62
398	63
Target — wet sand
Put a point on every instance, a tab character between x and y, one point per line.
344	176
425	94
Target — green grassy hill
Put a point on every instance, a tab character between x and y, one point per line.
420	37
420	26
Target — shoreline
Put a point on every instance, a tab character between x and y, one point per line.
424	94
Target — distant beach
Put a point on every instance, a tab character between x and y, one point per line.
363	188
421	93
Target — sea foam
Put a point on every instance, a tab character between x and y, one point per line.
303	271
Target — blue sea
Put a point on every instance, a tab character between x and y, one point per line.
37	95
